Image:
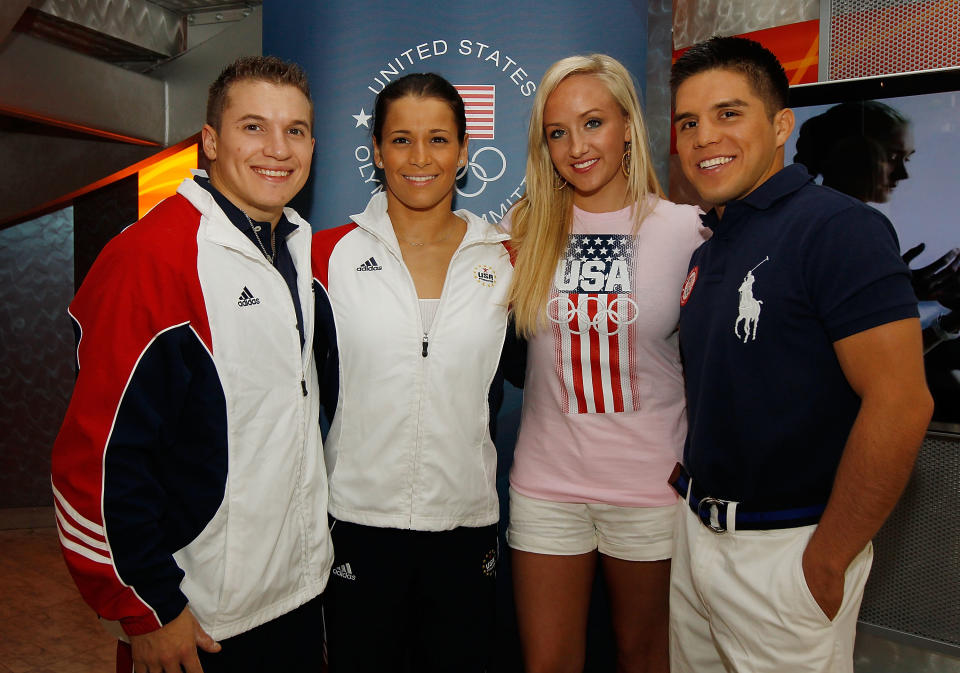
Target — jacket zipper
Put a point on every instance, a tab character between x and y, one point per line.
286	292
425	340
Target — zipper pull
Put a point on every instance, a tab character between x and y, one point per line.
303	384
425	344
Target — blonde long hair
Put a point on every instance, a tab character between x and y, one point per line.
542	218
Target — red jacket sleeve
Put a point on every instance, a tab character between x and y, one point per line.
142	285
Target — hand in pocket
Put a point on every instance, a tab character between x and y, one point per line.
825	585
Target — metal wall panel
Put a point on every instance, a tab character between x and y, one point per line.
697	20
914	587
42	81
137	22
879	37
36	353
656	106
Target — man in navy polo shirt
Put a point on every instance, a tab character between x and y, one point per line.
805	388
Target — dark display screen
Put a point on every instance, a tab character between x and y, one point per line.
894	143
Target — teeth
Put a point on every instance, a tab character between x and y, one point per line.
716	161
419	178
584	164
271	173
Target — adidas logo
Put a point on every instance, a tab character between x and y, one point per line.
345	571
370	265
247	298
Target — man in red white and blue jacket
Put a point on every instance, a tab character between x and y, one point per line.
188	475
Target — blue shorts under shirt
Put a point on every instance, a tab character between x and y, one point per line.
790	269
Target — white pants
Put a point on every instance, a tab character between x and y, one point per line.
739	603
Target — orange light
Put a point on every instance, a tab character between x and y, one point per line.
161	178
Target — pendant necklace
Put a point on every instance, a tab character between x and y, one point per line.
273	239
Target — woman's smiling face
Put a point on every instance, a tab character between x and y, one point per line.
586	130
420	153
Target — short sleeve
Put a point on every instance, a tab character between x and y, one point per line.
854	274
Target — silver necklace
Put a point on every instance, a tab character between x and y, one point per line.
420	245
273	239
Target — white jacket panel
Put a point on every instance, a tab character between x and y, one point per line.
409	446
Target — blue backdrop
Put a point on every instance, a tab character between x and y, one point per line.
352	49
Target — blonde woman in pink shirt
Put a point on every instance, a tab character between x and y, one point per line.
601	258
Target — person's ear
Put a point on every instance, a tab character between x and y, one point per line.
783	123
208	140
464	151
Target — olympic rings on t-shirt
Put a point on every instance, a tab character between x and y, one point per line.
620	312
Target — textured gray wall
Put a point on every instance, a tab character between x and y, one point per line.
657	99
36	352
697	20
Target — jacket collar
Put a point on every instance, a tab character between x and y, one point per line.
238	217
220	228
375	220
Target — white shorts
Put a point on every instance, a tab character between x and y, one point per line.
568	528
739	603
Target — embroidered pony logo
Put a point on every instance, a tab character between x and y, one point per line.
749	310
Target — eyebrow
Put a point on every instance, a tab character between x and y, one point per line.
587	113
395	131
733	102
260	118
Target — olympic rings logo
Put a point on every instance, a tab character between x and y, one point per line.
480	172
620	312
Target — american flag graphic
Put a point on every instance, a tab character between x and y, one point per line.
479	100
593	315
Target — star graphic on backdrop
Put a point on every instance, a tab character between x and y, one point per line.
362	118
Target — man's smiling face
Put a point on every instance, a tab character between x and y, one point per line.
727	140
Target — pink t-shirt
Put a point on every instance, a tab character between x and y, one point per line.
604	418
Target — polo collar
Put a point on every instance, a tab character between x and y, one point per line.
784	182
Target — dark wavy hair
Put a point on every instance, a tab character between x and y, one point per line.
752	59
419	85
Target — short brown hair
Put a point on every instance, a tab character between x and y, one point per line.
262	68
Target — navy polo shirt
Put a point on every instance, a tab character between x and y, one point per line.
790	269
283	262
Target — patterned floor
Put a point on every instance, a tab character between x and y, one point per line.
45	627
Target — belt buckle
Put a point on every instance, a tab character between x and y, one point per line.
707	521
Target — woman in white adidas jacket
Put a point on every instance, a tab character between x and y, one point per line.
418	298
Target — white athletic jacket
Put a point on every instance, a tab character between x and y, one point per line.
409	445
188	466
